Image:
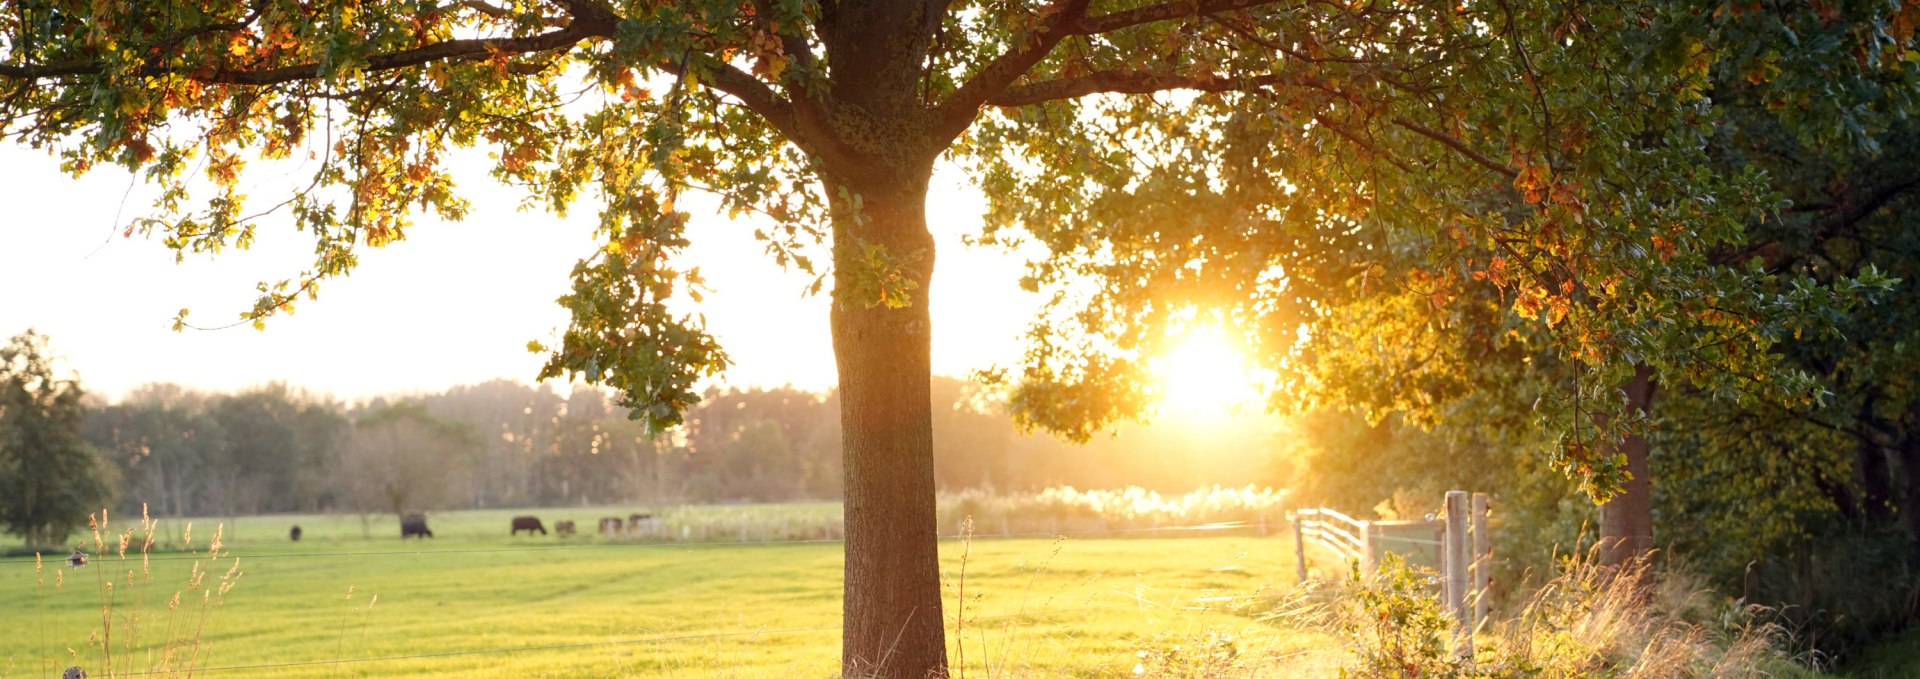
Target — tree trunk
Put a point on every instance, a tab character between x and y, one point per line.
893	620
1626	520
1876	483
1873	457
1909	450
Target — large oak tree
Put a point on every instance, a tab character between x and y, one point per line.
1321	172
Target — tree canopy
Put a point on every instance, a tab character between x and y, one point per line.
1373	193
50	479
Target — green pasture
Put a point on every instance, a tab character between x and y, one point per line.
591	607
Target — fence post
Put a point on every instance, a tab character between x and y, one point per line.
1368	562
1482	559
1456	572
1299	548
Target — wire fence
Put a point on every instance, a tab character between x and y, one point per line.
636	641
108	559
1216	527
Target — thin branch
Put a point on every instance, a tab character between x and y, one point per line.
1453	143
1139	82
489	9
1108	23
807	131
451	50
953	116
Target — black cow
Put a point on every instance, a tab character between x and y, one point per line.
528	524
295	533
414	525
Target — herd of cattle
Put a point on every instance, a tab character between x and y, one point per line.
415	525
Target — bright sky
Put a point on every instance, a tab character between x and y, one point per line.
455	303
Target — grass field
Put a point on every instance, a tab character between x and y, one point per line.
1034	606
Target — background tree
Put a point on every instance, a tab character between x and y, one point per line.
50	479
156	437
400	459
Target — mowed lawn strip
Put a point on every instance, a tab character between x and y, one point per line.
1076	606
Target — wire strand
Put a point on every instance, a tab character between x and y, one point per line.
587	644
104	558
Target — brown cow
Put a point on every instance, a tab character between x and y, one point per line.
528	524
612	526
563	527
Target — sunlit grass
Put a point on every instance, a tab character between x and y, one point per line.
1035	606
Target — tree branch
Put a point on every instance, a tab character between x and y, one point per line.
1139	82
1108	23
1450	142
802	125
1066	17
952	116
451	50
1124	82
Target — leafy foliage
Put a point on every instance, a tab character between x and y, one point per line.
1438	199
50	479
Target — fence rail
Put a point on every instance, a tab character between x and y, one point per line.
1460	551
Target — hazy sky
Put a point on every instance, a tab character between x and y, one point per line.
454	303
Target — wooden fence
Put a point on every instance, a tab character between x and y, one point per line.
1457	545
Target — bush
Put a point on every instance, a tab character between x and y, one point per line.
1589	621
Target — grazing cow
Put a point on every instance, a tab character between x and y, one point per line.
295	533
528	524
612	526
637	520
414	525
563	527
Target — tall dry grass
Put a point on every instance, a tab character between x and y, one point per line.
1065	509
133	638
1635	621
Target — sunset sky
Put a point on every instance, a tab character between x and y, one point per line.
454	303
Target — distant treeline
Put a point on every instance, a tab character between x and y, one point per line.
277	448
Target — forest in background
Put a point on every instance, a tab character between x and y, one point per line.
277	448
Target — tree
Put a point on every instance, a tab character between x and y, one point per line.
828	116
50	479
400	459
158	438
1551	180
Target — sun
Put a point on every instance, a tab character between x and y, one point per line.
1205	373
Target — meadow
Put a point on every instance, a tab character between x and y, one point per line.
587	606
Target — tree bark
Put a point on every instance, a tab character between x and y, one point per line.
1876	483
1626	520
893	620
1909	450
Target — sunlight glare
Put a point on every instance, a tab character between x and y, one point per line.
1204	374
